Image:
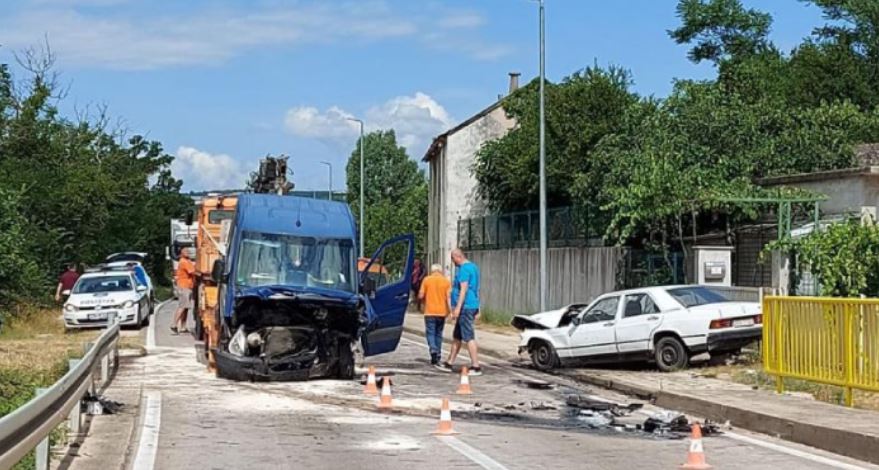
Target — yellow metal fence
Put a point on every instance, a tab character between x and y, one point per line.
827	340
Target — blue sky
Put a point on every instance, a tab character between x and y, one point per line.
222	83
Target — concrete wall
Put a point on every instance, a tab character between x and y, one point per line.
847	190
453	193
510	278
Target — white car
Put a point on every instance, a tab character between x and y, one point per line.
140	274
665	325
96	295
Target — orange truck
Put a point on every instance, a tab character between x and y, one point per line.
214	214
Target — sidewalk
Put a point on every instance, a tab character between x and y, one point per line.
850	432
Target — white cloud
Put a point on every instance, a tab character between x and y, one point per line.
114	37
201	170
416	120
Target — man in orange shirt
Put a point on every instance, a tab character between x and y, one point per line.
434	293
185	279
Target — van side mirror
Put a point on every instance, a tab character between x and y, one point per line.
576	320
188	218
167	253
218	271
141	288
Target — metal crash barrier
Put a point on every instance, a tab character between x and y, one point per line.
29	426
827	340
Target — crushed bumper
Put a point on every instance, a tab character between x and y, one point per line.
731	340
256	369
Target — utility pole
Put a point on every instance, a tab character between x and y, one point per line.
330	171
362	143
543	250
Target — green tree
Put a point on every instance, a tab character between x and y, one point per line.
581	110
395	191
721	30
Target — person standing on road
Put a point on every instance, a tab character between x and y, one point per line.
465	308
416	280
434	294
185	277
66	282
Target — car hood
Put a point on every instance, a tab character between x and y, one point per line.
100	299
729	309
540	321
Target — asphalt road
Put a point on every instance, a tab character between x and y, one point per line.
190	419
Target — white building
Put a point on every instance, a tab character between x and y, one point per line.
453	193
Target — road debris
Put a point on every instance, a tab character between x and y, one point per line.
535	384
594	403
95	405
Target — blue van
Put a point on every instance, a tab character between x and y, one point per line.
291	303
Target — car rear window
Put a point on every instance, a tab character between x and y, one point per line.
695	296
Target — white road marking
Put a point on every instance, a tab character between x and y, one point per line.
151	331
471	453
796	453
145	459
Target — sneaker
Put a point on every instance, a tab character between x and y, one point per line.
475	371
185	330
444	366
174	331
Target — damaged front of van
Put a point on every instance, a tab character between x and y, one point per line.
292	303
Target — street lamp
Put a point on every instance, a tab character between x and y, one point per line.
330	170
543	254
361	183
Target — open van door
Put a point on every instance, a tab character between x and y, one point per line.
387	294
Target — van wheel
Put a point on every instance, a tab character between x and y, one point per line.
670	354
543	356
345	366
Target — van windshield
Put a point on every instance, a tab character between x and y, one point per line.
103	284
271	259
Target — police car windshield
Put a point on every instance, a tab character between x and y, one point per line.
90	285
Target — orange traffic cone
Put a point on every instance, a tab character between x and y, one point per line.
385	401
445	423
696	455
464	388
370	388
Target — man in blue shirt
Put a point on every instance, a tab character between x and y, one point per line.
465	307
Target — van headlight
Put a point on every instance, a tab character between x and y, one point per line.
69	308
238	343
128	304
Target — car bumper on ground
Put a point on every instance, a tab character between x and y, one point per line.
733	339
99	319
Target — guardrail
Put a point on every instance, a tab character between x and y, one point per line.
29	426
826	340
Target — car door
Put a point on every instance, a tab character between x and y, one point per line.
638	319
594	335
387	301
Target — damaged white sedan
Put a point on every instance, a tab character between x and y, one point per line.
666	325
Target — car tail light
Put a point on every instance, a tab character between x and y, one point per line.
722	323
758	319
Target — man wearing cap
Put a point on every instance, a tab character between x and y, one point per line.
185	280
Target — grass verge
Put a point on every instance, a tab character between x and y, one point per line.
34	349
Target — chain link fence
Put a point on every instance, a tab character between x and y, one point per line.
566	226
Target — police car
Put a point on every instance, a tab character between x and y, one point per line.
97	296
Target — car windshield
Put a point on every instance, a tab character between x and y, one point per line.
270	259
91	285
695	296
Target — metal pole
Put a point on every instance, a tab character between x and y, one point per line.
361	184
330	169
543	280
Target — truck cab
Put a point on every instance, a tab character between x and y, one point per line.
293	304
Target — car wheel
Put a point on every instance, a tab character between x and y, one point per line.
543	356
670	354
